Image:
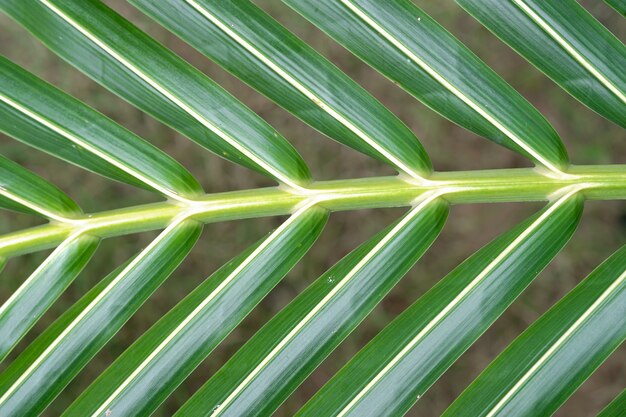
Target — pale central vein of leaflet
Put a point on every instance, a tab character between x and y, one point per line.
212	296
303	89
427	199
92	305
450	87
35	207
455	302
550	352
571	50
173	98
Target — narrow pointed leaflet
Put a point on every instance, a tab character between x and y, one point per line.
414	350
112	51
258	378
616	408
250	44
545	365
25	191
41	372
40	115
618	5
565	42
28	303
410	48
137	382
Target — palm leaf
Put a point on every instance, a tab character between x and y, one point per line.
243	39
22	190
28	303
37	376
258	378
410	48
154	366
89	35
39	115
534	376
410	354
565	42
547	362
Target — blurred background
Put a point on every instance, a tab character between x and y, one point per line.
589	138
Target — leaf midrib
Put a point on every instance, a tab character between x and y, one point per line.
603	182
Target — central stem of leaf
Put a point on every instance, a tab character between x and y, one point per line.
607	182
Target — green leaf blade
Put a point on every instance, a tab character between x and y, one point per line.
41	372
258	378
412	352
28	303
25	191
409	47
566	43
40	115
556	354
159	361
254	47
618	5
616	407
91	37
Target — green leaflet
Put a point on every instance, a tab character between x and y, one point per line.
48	119
71	313
414	350
39	374
565	42
125	60
410	48
22	190
554	356
28	303
254	47
619	5
616	408
165	355
257	379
